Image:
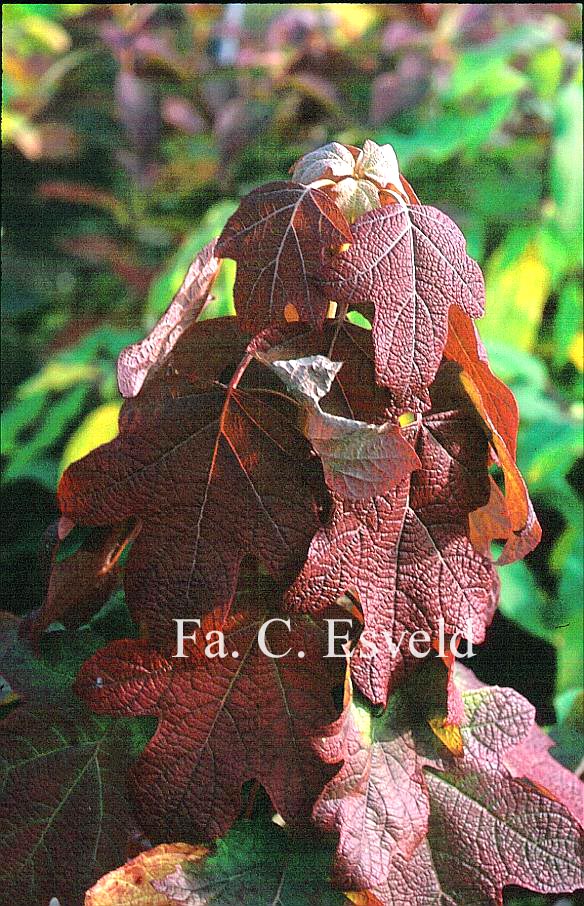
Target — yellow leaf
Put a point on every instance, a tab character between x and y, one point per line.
516	292
52	35
448	734
576	351
130	884
353	19
97	428
57	376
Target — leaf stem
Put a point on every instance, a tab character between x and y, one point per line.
340	320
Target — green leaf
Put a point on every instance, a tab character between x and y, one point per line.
523	601
97	428
448	135
514	366
484	74
46	405
568	733
24	460
56	376
258	864
355	317
517	287
487	71
558	618
23	412
568	323
567	164
545	71
165	287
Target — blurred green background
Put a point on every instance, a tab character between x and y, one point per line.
129	133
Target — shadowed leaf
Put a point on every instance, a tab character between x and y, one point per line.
222	720
213	472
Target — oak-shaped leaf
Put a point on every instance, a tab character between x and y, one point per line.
411	262
213	472
487	832
377	802
531	758
131	884
281	237
258	864
479	827
405	556
65	818
222	720
135	361
511	518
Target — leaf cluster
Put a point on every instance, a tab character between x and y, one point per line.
287	464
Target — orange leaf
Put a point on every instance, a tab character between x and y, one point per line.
130	884
525	529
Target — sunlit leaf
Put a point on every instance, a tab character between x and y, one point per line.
97	428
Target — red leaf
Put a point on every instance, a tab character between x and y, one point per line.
65	817
280	237
411	262
377	802
374	549
531	758
490	521
136	360
525	532
354	394
79	585
514	518
359	459
222	721
214	473
533	761
477	827
464	346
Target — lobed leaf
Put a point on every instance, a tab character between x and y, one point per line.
458	827
412	264
64	815
137	360
360	460
377	802
222	720
280	237
213	473
372	549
